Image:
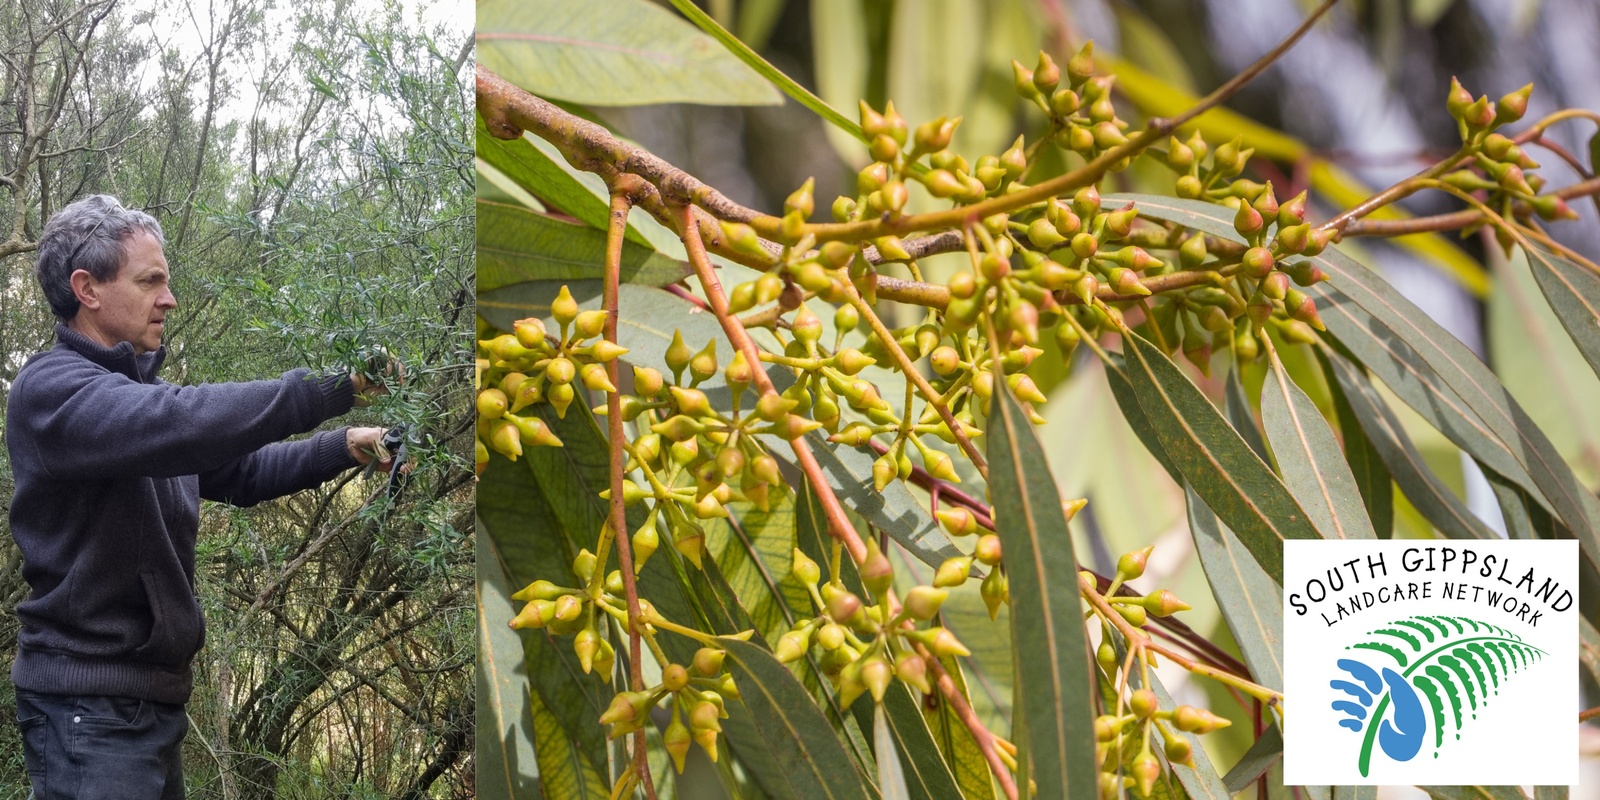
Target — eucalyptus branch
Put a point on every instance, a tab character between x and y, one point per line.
620	204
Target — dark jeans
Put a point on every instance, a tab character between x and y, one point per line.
102	748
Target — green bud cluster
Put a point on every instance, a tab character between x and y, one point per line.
529	366
857	643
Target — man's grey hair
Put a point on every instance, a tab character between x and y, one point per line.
89	234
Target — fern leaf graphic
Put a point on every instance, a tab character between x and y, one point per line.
1428	664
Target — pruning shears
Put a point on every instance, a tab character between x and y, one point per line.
391	446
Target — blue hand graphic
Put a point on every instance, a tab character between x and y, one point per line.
1402	734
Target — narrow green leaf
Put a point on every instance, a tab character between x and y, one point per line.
1223	470
1524	518
564	772
1250	602
1122	390
505	759
1309	457
792	726
923	768
1354	793
1428	368
517	244
762	67
611	53
531	539
1421	486
1243	421
1475	792
1574	294
526	162
1366	463
1267	750
891	778
1056	705
1549	793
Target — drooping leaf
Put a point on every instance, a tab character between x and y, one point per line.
1223	470
1313	467
1251	603
1475	792
1128	401
1417	481
531	541
1267	751
1574	294
891	777
1371	474
792	726
506	765
611	53
563	771
1054	668
923	770
517	244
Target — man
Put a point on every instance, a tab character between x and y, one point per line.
110	465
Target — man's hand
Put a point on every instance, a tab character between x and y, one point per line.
382	369
364	445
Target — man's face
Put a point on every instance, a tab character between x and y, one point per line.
134	304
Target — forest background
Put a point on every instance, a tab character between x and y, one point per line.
310	164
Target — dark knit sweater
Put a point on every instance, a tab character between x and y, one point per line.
110	464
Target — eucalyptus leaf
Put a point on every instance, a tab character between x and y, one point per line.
1313	467
1474	792
526	162
1223	470
506	763
517	244
1574	294
791	725
1367	467
1238	411
924	772
955	742
1056	706
612	53
1267	751
1251	603
1417	481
